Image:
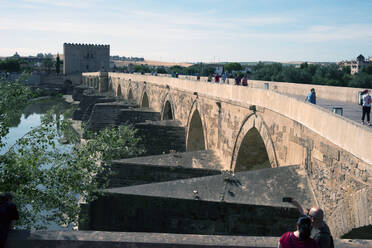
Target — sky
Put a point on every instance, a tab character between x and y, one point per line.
191	30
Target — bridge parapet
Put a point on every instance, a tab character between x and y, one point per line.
335	152
346	134
97	239
334	93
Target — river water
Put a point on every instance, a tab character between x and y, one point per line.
31	118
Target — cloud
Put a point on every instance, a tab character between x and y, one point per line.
65	3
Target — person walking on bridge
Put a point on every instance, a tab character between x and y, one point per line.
366	107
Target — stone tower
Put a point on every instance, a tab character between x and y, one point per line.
85	58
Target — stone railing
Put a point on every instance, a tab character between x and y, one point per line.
334	93
96	239
344	133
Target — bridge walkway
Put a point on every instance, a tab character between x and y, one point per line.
351	110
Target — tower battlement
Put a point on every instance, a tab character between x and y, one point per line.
78	45
80	57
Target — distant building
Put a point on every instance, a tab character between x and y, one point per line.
357	65
16	56
85	58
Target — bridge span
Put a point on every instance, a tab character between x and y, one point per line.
252	128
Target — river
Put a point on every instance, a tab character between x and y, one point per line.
31	118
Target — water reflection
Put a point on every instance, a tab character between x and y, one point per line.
31	118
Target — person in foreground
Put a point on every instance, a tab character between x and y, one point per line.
8	216
320	231
299	238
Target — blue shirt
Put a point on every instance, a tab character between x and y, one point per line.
311	97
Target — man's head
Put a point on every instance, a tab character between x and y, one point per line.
312	90
316	214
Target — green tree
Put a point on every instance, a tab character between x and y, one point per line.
304	65
141	68
230	67
346	69
13	98
367	69
58	64
161	70
361	80
10	65
48	63
177	69
48	179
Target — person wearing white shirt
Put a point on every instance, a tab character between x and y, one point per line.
366	107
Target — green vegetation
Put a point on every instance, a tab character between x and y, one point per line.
13	99
230	67
328	74
47	179
58	64
313	74
10	65
48	63
141	68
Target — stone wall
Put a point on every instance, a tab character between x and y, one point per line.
85	58
139	213
334	151
344	94
129	174
90	239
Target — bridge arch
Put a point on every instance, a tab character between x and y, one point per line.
196	133
118	91
167	112
145	100
110	86
130	94
253	147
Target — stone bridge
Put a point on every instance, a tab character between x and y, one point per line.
252	128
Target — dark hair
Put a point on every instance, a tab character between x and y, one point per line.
4	197
304	227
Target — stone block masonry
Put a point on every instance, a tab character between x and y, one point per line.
80	58
162	168
94	239
335	152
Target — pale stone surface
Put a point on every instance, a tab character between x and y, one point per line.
335	152
93	239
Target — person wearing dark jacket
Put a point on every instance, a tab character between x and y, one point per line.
320	231
8	215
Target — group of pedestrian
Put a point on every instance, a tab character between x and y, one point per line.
8	216
241	80
311	230
217	78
